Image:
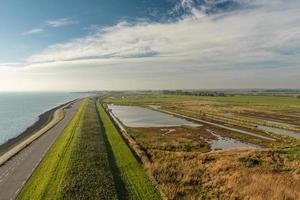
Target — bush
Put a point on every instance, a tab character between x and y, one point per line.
250	161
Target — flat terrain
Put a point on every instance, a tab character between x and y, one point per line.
43	120
89	160
93	159
131	180
234	174
256	114
76	166
181	160
285	109
15	172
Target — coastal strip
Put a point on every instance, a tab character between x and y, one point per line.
46	121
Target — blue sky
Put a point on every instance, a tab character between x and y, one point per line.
19	17
149	44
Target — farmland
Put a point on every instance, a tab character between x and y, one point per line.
184	165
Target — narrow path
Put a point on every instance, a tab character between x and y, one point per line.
16	171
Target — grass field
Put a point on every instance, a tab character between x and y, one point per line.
272	111
178	139
76	166
83	164
184	169
240	99
236	103
235	174
127	169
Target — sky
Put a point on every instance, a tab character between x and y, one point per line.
76	45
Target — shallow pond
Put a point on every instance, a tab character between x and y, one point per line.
279	131
135	116
228	143
280	123
155	106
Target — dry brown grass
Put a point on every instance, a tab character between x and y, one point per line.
231	174
258	111
181	138
267	186
224	175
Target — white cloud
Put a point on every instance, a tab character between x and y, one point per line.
251	47
33	31
60	22
238	37
56	23
10	64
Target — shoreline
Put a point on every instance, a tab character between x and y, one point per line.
43	119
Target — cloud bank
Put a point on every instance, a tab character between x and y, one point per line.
215	41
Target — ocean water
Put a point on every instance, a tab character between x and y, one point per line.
18	111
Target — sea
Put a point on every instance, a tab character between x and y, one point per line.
18	111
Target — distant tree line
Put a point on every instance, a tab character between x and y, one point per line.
195	93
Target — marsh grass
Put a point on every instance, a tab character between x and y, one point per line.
235	174
181	138
229	174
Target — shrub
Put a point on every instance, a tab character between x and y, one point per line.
250	161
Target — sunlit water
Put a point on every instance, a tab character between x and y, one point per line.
20	110
281	123
135	116
155	106
279	131
228	143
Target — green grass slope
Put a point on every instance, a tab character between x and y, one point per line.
132	181
76	166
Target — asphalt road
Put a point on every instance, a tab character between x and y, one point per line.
16	171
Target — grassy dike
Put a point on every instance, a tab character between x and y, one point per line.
77	165
132	180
